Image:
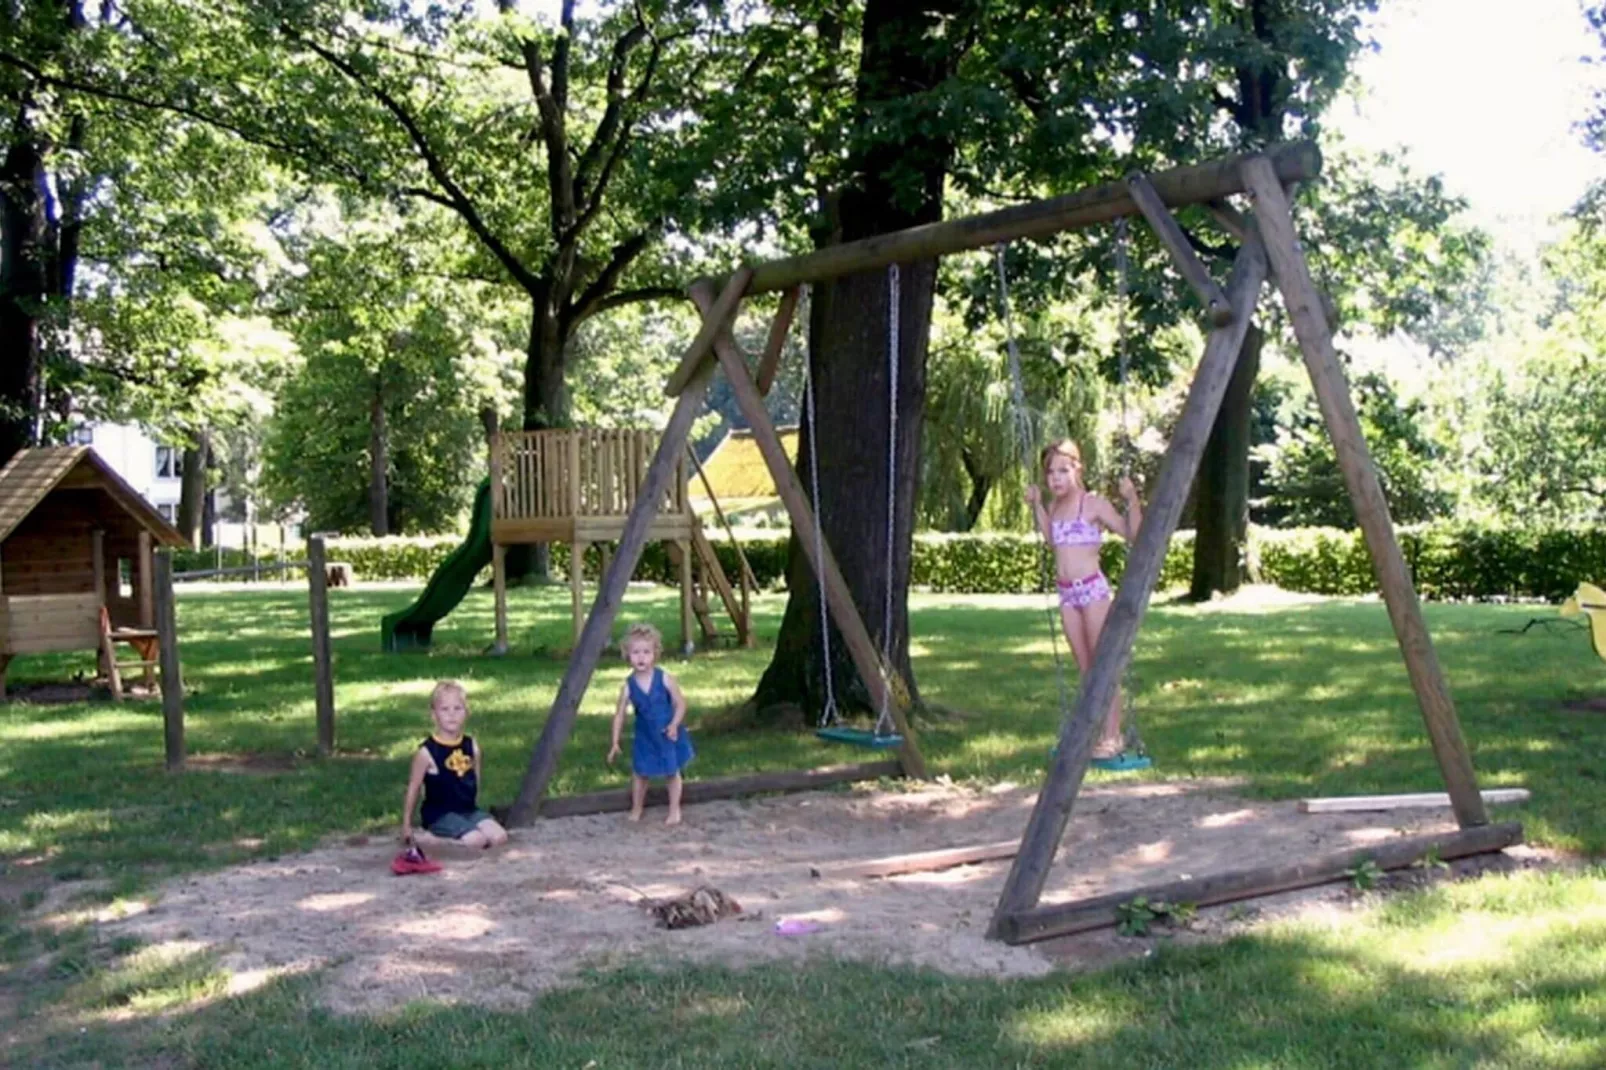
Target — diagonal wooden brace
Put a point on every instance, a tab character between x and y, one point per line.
1176	243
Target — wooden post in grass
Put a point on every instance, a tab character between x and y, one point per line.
166	621
655	484
1102	684
322	663
884	686
1275	221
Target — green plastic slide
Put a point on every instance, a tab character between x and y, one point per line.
410	628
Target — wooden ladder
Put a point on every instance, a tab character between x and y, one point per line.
708	573
143	640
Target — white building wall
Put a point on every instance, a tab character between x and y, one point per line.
135	456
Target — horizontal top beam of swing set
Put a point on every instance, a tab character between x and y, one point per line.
1295	161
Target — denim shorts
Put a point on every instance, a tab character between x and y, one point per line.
456	826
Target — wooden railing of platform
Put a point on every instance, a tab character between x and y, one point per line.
576	484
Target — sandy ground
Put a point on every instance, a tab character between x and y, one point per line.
496	928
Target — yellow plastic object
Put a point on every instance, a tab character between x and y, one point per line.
1590	601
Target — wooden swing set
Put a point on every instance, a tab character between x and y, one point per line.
1268	248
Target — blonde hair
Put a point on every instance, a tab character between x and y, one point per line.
448	687
1063	448
642	632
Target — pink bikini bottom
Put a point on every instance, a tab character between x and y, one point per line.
1079	594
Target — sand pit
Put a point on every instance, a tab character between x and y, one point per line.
494	929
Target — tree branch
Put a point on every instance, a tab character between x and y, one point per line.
620	298
458	199
621	257
613	113
307	153
560	184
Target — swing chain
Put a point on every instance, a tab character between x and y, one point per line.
1121	294
894	296
828	713
1023	425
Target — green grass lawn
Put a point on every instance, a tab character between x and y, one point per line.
1308	698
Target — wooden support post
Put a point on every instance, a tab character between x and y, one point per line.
145	579
1342	804
617	800
687	643
918	862
499	585
770	361
1103	682
1176	243
322	662
1099	912
577	586
1295	162
881	681
1275	221
166	622
97	547
610	592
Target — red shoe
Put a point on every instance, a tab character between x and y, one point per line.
412	860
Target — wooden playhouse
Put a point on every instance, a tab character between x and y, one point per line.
76	539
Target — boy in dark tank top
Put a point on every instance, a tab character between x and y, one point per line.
447	768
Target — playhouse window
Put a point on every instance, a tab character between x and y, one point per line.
125	577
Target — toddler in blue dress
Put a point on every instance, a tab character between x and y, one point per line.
660	746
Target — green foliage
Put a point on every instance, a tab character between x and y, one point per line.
377	329
1365	874
1305	486
1447	561
1138	915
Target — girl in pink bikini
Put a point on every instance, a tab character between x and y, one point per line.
1073	522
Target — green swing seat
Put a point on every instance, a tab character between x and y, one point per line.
860	737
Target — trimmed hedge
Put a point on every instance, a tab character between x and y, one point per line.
1448	561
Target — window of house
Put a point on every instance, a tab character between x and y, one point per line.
82	435
168	510
169	462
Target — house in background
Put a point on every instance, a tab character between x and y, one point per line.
155	472
151	469
741	481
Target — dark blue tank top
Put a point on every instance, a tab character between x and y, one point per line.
453	787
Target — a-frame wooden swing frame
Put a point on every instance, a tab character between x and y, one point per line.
1268	248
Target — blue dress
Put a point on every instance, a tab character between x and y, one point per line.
652	753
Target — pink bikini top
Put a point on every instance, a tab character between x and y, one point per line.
1076	532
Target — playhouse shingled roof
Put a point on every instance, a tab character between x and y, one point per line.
32	474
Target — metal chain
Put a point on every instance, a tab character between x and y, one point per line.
894	296
1120	339
1133	738
828	714
1023	426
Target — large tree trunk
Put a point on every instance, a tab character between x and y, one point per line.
25	254
981	485
546	405
1221	501
192	488
900	185
378	461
